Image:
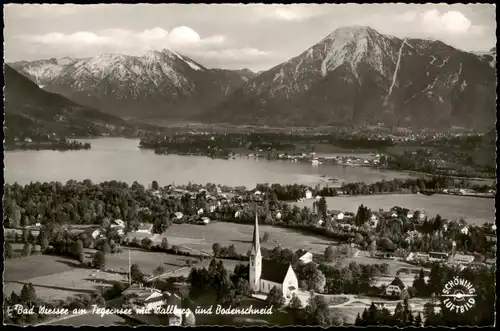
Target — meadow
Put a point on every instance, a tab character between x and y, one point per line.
474	210
202	237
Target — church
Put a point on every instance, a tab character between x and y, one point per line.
265	274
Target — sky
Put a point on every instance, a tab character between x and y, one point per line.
232	36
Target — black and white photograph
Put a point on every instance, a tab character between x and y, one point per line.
249	165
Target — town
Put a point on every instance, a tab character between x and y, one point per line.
396	257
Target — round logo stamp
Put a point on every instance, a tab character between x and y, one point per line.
458	295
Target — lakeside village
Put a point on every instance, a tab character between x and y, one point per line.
291	279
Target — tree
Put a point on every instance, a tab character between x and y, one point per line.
188	319
26	249
164	243
8	250
418	320
99	261
358	239
80	251
136	274
28	295
322	207
216	249
265	238
317	312
295	302
317	282
275	298
146	243
420	285
159	270
243	287
330	254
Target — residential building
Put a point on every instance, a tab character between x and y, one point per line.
374	221
145	228
395	288
438	257
205	220
308	194
200	211
462	259
305	256
265	274
337	215
465	230
178	215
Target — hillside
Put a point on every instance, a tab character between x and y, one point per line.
29	111
356	75
162	84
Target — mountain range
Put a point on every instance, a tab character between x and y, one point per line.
159	84
355	75
30	110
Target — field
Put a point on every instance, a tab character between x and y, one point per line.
94	320
54	277
146	260
474	210
201	238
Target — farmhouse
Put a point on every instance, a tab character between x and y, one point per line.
96	233
462	259
465	230
308	194
118	223
200	211
178	215
373	221
145	228
265	274
438	257
395	288
337	215
304	256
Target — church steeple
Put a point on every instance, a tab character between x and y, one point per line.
255	258
256	235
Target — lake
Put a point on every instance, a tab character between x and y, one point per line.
120	159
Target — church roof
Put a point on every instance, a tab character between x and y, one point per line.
256	240
397	282
274	271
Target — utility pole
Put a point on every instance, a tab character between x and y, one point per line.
129	271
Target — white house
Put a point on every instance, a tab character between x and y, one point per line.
118	224
205	220
409	214
154	300
278	215
395	288
320	222
257	193
306	257
38	224
394	214
465	230
493	227
337	215
265	274
145	228
438	257
178	215
200	211
237	214
212	208
96	233
309	194
373	221
462	259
